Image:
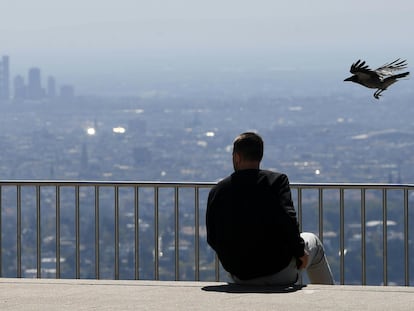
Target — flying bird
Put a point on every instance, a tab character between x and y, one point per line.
380	78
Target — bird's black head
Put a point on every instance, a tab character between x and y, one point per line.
353	78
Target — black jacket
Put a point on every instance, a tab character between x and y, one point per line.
252	224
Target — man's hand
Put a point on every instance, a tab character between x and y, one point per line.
303	261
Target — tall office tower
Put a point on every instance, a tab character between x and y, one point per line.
34	86
4	78
51	87
19	88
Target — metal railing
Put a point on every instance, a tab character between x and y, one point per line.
155	230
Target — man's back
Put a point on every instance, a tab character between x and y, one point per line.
251	223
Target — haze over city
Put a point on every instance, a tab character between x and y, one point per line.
220	67
112	47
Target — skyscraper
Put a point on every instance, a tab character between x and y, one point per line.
4	78
51	87
34	86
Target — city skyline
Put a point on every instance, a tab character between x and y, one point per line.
34	89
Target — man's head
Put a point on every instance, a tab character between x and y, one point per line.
247	151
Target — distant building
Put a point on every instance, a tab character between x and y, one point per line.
19	88
67	92
34	86
4	78
51	87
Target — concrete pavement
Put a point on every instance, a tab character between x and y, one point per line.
51	294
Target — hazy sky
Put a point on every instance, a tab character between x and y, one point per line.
86	36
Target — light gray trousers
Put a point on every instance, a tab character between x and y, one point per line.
318	269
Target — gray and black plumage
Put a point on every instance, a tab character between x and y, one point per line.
380	78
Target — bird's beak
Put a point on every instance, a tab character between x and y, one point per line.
348	79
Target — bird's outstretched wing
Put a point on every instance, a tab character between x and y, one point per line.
362	70
389	68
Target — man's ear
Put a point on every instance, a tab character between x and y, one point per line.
236	158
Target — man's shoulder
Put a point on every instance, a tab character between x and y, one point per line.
223	182
221	187
272	174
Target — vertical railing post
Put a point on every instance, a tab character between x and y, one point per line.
217	268
406	241
363	238
116	246
342	234
77	232
299	207
384	236
320	208
19	230
38	234
197	234
57	234
299	218
136	231
97	236
156	234
1	232
177	233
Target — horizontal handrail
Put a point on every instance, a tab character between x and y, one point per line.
198	183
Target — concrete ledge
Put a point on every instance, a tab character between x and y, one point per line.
51	294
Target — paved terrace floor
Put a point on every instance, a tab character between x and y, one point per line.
51	294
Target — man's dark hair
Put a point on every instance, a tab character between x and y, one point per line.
249	145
